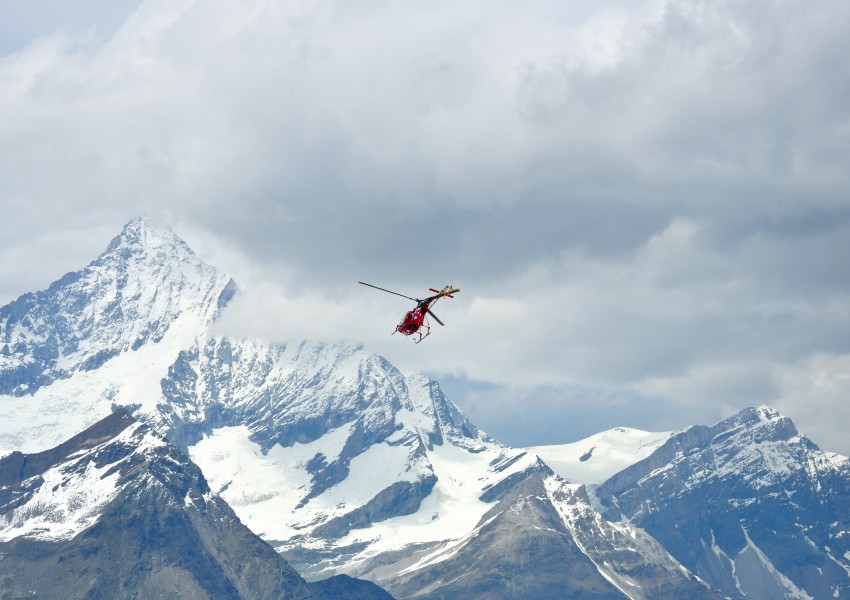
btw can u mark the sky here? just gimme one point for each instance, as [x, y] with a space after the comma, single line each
[645, 203]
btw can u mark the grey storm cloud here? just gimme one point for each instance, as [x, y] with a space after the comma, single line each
[646, 200]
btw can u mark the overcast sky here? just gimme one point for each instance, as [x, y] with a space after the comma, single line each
[645, 203]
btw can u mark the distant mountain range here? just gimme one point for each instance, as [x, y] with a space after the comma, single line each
[749, 505]
[348, 467]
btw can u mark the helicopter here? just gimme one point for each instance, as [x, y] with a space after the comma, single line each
[414, 321]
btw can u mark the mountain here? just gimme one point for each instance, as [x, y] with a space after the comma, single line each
[348, 467]
[352, 452]
[103, 336]
[749, 505]
[116, 512]
[343, 587]
[143, 285]
[544, 540]
[598, 457]
[330, 435]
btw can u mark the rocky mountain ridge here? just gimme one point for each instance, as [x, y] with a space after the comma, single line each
[118, 512]
[545, 540]
[311, 418]
[145, 280]
[749, 505]
[347, 466]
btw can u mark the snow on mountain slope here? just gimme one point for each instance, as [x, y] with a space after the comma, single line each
[345, 464]
[598, 457]
[264, 487]
[102, 336]
[326, 449]
[353, 454]
[68, 499]
[54, 412]
[131, 294]
[749, 504]
[544, 540]
[116, 512]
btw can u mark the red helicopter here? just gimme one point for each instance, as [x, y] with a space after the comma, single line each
[414, 320]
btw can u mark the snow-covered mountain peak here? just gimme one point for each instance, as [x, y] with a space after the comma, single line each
[763, 422]
[758, 441]
[323, 448]
[143, 234]
[338, 440]
[767, 413]
[298, 392]
[147, 285]
[145, 255]
[766, 497]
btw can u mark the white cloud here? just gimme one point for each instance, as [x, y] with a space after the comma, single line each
[646, 199]
[814, 393]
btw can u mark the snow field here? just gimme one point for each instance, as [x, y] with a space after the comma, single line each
[604, 454]
[67, 406]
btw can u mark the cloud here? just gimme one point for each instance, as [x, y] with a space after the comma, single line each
[20, 22]
[643, 200]
[814, 394]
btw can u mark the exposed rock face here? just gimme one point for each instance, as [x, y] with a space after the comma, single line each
[544, 540]
[345, 465]
[339, 441]
[749, 505]
[130, 296]
[116, 512]
[312, 444]
[343, 587]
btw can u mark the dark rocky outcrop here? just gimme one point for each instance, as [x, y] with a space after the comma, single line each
[749, 505]
[161, 533]
[343, 587]
[524, 548]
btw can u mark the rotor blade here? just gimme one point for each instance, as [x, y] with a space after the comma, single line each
[389, 291]
[446, 291]
[436, 318]
[447, 294]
